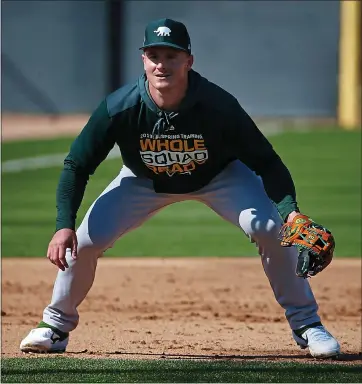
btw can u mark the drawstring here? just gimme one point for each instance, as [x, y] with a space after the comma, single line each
[163, 124]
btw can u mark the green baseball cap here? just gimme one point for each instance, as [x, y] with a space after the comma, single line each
[168, 33]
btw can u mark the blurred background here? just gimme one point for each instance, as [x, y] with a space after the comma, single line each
[295, 66]
[279, 58]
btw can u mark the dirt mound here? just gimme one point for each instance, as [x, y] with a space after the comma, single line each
[192, 308]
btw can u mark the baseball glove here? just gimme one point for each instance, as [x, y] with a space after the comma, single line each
[314, 242]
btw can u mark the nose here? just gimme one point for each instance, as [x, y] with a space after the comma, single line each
[160, 65]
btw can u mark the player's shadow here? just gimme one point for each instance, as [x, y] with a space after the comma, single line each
[269, 357]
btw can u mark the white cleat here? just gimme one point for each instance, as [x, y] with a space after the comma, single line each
[320, 342]
[44, 340]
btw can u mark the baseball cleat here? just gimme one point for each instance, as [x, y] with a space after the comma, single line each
[44, 340]
[320, 342]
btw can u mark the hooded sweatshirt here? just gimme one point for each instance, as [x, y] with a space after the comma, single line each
[180, 151]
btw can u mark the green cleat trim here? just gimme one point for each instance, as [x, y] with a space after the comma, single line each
[62, 335]
[300, 331]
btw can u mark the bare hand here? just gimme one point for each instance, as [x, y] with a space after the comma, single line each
[62, 239]
[292, 215]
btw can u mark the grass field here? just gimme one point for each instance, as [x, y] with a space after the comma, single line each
[68, 370]
[326, 167]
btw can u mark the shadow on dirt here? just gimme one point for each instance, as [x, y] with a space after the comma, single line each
[273, 357]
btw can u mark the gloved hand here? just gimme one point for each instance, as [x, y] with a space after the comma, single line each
[314, 242]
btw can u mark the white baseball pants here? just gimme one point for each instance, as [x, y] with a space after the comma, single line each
[236, 194]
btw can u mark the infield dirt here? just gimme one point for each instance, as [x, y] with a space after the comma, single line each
[181, 307]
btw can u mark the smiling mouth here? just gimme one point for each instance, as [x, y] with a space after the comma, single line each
[164, 76]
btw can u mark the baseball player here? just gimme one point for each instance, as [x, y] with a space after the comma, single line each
[181, 137]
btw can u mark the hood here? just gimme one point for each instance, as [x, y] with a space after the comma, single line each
[164, 122]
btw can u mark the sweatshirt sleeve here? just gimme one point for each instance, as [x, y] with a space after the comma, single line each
[87, 151]
[251, 147]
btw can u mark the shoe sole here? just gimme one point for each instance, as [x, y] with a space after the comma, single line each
[321, 355]
[325, 355]
[39, 349]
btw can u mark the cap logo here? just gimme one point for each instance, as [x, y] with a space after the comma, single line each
[162, 31]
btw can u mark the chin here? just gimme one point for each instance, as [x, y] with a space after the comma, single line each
[164, 84]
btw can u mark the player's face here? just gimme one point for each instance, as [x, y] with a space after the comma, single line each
[166, 67]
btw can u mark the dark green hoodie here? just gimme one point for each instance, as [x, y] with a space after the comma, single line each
[179, 151]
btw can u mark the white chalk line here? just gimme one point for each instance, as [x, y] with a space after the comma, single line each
[46, 161]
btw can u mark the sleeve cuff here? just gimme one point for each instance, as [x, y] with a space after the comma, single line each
[287, 205]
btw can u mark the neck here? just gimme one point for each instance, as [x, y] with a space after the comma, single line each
[169, 99]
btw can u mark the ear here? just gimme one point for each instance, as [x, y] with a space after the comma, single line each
[144, 60]
[190, 62]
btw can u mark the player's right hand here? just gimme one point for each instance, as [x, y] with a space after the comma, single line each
[62, 239]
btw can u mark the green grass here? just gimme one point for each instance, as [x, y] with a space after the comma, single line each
[326, 168]
[58, 370]
[175, 231]
[20, 149]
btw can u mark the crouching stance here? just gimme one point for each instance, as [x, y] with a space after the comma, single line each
[181, 138]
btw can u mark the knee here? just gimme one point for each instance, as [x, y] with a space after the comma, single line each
[91, 240]
[260, 226]
[88, 246]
